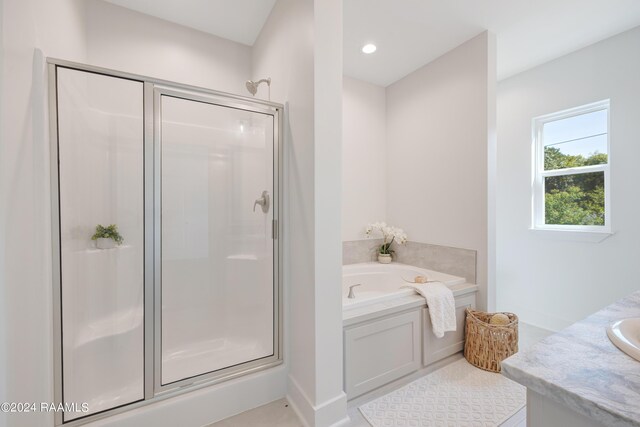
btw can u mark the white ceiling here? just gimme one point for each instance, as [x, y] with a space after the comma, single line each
[237, 20]
[411, 33]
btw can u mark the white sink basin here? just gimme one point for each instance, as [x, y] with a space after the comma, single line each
[625, 334]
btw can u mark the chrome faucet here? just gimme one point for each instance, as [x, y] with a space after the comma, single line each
[351, 294]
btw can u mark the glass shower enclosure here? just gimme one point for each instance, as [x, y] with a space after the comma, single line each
[165, 202]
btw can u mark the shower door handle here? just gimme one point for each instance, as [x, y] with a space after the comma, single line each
[263, 201]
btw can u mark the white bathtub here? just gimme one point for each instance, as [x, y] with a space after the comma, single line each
[382, 282]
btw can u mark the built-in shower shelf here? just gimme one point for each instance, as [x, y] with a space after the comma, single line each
[96, 250]
[110, 327]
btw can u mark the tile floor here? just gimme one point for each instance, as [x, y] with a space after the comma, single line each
[280, 413]
[275, 414]
[529, 335]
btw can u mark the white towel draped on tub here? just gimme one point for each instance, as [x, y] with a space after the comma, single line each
[442, 307]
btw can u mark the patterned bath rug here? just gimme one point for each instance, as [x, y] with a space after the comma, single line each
[458, 395]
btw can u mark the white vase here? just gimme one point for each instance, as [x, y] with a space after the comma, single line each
[105, 243]
[384, 258]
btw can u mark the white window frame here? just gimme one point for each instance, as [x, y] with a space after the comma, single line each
[539, 174]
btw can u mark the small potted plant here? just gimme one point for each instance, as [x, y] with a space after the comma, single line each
[389, 235]
[107, 237]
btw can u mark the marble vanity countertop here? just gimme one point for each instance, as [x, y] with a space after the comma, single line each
[580, 368]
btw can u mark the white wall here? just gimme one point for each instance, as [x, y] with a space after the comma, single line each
[364, 157]
[31, 30]
[106, 35]
[330, 404]
[3, 319]
[284, 51]
[125, 40]
[438, 132]
[550, 282]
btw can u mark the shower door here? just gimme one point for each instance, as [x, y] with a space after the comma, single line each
[215, 282]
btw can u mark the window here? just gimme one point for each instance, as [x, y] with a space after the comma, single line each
[571, 165]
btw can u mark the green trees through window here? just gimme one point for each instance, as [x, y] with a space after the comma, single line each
[576, 199]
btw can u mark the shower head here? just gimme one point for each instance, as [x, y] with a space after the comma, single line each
[252, 86]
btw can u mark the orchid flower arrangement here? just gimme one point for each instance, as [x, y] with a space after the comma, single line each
[389, 234]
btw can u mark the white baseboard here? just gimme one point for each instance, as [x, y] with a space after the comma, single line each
[330, 413]
[299, 402]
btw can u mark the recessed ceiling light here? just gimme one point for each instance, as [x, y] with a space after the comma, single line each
[369, 48]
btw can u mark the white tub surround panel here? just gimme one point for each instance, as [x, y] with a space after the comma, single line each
[434, 348]
[379, 352]
[390, 339]
[578, 373]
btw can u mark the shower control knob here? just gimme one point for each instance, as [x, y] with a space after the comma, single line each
[263, 201]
